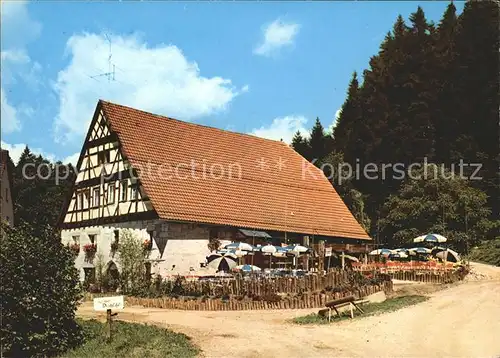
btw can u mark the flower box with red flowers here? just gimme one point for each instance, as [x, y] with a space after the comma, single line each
[75, 249]
[90, 249]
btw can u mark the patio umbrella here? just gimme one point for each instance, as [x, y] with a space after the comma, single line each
[247, 268]
[222, 261]
[385, 252]
[437, 249]
[243, 246]
[430, 238]
[399, 255]
[296, 249]
[269, 250]
[351, 258]
[448, 255]
[420, 250]
[280, 252]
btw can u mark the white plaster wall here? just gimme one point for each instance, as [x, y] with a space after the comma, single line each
[186, 247]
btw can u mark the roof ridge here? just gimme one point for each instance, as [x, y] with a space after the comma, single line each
[193, 124]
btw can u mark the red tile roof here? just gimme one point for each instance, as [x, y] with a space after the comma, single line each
[249, 191]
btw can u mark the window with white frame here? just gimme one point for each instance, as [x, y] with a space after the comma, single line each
[111, 193]
[123, 190]
[134, 193]
[96, 195]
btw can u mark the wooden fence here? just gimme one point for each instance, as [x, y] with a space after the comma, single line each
[427, 277]
[306, 300]
[251, 293]
[261, 286]
[391, 266]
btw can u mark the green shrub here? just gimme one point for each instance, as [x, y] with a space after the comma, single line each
[39, 294]
[487, 252]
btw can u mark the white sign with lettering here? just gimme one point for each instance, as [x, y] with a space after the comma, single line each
[328, 251]
[108, 303]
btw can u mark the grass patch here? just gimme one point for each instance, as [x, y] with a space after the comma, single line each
[131, 340]
[370, 309]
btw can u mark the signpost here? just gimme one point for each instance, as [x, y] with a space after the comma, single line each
[328, 253]
[106, 304]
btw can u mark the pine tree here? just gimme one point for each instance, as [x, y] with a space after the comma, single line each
[476, 90]
[39, 192]
[318, 142]
[300, 145]
[350, 113]
[446, 125]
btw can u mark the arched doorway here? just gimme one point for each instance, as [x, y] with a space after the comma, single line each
[111, 277]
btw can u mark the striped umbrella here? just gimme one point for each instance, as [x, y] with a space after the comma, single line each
[280, 252]
[222, 261]
[420, 250]
[430, 238]
[247, 268]
[448, 255]
[399, 255]
[242, 246]
[384, 252]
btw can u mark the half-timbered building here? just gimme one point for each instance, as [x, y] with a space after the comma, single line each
[180, 184]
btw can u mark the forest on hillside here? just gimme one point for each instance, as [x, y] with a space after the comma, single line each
[431, 95]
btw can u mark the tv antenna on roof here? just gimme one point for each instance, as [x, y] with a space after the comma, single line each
[111, 66]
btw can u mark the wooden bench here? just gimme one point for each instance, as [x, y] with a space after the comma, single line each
[341, 302]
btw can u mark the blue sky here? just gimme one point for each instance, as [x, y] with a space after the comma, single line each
[254, 67]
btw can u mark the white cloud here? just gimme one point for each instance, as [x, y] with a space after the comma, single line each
[73, 158]
[277, 34]
[335, 119]
[157, 79]
[15, 151]
[9, 115]
[283, 128]
[18, 29]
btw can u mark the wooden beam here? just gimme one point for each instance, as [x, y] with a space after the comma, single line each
[124, 174]
[103, 140]
[145, 215]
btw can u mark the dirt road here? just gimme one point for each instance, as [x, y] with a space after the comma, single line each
[463, 321]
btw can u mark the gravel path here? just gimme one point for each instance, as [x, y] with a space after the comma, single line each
[463, 321]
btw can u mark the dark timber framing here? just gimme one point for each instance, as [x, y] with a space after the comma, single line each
[145, 215]
[100, 138]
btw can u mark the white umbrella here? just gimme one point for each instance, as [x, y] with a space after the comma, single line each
[296, 249]
[385, 252]
[430, 238]
[247, 268]
[280, 252]
[243, 246]
[268, 249]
